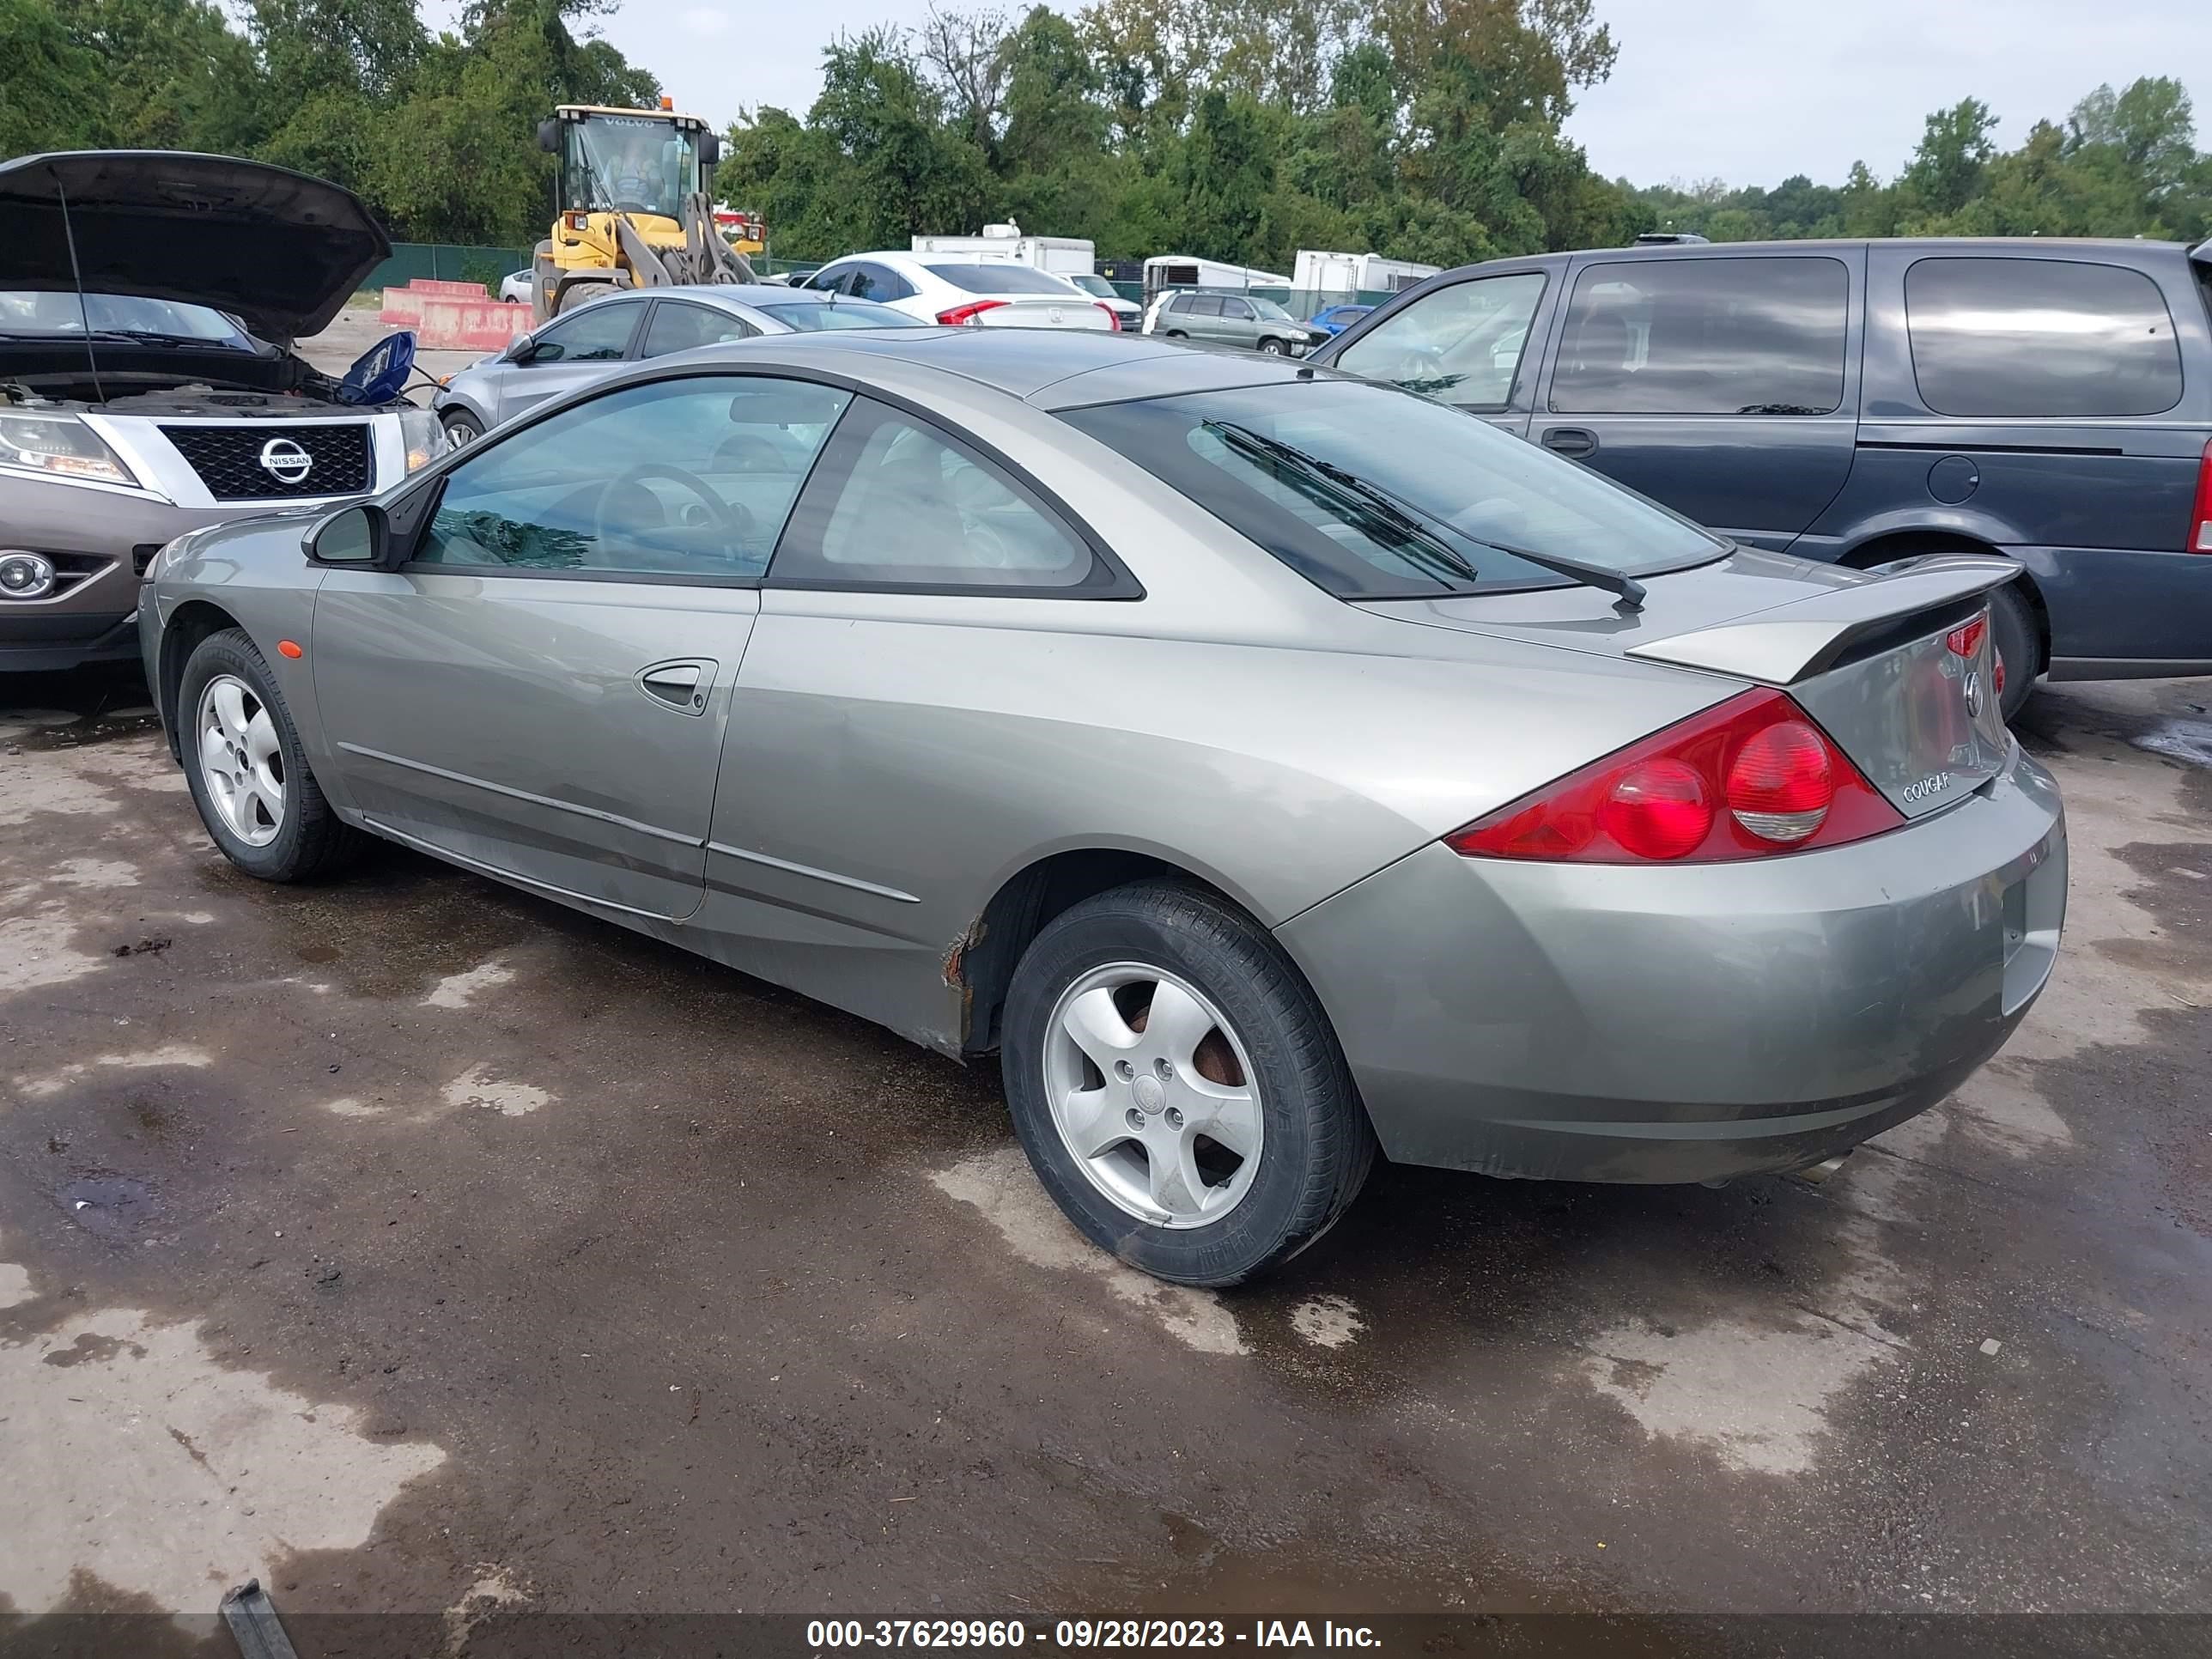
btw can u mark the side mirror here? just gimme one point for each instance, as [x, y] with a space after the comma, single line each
[518, 349]
[549, 136]
[710, 148]
[357, 537]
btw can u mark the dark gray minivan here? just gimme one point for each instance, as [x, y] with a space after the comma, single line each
[1866, 402]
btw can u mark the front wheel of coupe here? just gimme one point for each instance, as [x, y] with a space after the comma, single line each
[247, 769]
[1178, 1088]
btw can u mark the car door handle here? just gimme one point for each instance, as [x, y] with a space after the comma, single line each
[1572, 441]
[678, 683]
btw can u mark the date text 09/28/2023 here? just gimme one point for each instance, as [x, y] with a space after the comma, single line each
[825, 1636]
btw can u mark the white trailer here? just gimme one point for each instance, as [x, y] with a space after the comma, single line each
[1166, 270]
[1317, 272]
[1063, 256]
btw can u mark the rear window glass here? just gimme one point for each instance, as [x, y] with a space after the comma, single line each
[1372, 493]
[1704, 336]
[846, 313]
[1001, 279]
[2051, 337]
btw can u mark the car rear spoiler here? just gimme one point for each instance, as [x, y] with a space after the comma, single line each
[1796, 640]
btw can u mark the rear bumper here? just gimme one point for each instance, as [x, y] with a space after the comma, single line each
[1651, 1025]
[2117, 613]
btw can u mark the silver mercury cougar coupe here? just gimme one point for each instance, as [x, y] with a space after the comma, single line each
[1267, 766]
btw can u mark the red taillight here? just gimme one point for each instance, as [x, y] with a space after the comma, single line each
[1966, 639]
[966, 315]
[1749, 778]
[1657, 809]
[1113, 316]
[1780, 785]
[2200, 520]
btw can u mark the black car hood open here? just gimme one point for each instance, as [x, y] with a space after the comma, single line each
[277, 249]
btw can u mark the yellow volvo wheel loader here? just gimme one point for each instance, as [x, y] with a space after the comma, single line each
[635, 207]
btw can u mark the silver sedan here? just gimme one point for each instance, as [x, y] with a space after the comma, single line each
[589, 342]
[1267, 768]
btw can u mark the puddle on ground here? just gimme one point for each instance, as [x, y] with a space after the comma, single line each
[107, 1204]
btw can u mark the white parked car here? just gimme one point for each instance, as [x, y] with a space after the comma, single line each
[515, 288]
[979, 293]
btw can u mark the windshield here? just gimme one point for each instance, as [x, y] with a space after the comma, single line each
[57, 314]
[1097, 285]
[627, 164]
[1475, 486]
[846, 313]
[1001, 278]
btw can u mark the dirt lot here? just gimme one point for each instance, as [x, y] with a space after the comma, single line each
[417, 1244]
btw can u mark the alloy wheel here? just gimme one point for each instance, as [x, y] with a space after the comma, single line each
[241, 760]
[1153, 1095]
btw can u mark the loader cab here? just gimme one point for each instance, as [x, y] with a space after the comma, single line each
[628, 161]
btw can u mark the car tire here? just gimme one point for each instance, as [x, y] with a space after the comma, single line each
[1177, 334]
[2017, 645]
[461, 428]
[228, 696]
[1274, 348]
[1266, 1063]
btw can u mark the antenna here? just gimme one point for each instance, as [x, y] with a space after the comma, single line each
[76, 275]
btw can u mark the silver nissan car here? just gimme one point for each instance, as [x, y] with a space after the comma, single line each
[1269, 767]
[148, 383]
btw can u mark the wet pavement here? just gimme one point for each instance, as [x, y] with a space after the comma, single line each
[417, 1244]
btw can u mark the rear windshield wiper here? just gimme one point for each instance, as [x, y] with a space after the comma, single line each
[1422, 526]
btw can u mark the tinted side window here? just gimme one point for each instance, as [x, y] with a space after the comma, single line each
[595, 334]
[2054, 338]
[1704, 336]
[688, 477]
[897, 503]
[877, 282]
[1205, 305]
[1240, 309]
[1462, 344]
[678, 325]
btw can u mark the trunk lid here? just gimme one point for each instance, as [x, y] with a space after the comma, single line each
[1891, 665]
[277, 249]
[1032, 311]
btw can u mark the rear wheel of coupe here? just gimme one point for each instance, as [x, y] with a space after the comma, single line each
[1178, 1087]
[247, 772]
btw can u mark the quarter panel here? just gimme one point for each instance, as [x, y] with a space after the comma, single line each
[892, 760]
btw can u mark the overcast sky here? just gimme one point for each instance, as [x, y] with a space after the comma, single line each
[1750, 91]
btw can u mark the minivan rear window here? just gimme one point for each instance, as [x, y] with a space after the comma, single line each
[1704, 336]
[2056, 338]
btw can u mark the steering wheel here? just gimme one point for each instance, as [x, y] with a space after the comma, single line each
[731, 516]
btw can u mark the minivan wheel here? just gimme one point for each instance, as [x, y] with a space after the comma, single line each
[247, 769]
[461, 428]
[2012, 621]
[1274, 347]
[1178, 1087]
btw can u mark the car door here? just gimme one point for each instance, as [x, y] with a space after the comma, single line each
[1240, 323]
[1725, 387]
[569, 352]
[913, 551]
[541, 689]
[1199, 315]
[1464, 342]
